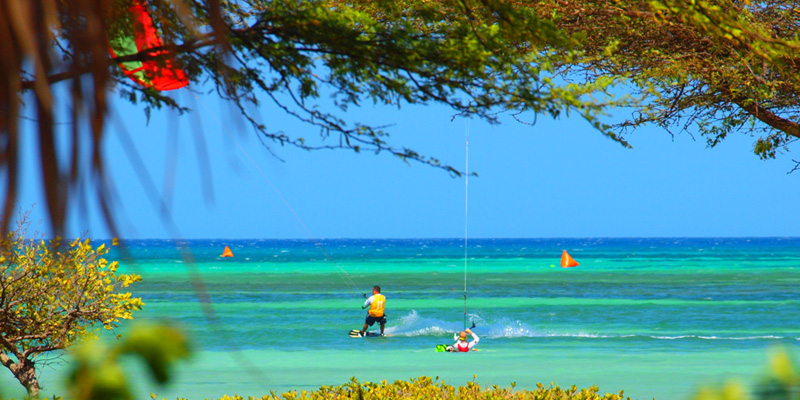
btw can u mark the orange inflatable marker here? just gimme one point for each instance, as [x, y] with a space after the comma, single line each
[228, 253]
[567, 261]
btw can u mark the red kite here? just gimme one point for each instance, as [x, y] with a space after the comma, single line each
[567, 261]
[161, 74]
[227, 252]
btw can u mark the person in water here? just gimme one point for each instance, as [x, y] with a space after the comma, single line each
[462, 345]
[376, 304]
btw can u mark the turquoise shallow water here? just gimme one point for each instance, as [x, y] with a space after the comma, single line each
[655, 317]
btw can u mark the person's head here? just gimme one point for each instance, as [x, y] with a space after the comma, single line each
[462, 336]
[376, 289]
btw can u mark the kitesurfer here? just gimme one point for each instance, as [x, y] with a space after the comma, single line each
[462, 345]
[376, 304]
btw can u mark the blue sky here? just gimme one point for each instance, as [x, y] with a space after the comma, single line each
[559, 178]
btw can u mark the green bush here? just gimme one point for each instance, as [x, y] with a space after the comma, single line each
[431, 388]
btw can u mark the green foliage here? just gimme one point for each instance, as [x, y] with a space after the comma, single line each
[309, 60]
[52, 294]
[98, 375]
[429, 388]
[477, 57]
[707, 67]
[728, 391]
[781, 382]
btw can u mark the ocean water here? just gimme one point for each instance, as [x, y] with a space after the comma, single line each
[657, 318]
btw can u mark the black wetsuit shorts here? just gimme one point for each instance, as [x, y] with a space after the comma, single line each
[372, 320]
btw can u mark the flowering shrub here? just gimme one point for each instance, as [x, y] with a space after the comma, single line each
[432, 388]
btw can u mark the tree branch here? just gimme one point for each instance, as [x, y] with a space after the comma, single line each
[32, 351]
[768, 117]
[10, 347]
[7, 362]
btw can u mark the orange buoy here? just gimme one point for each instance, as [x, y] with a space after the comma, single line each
[227, 252]
[567, 261]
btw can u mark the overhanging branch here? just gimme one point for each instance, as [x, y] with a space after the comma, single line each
[768, 117]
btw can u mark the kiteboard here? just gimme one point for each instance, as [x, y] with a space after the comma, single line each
[355, 333]
[444, 347]
[449, 348]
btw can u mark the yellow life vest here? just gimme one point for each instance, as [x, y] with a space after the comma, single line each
[376, 308]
